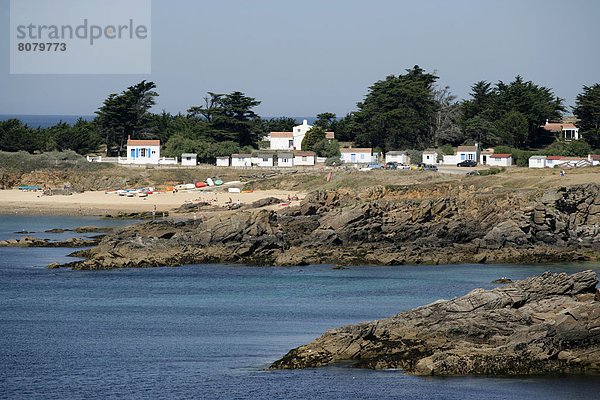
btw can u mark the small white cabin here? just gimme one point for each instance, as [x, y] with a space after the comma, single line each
[223, 161]
[189, 159]
[537, 162]
[143, 151]
[396, 156]
[356, 156]
[241, 160]
[305, 158]
[285, 160]
[500, 160]
[430, 157]
[263, 160]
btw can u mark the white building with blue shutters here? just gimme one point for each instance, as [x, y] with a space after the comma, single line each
[143, 151]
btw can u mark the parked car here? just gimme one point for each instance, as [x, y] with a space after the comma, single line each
[375, 166]
[467, 163]
[402, 166]
[427, 167]
[391, 165]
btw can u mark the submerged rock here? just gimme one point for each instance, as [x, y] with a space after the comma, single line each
[543, 324]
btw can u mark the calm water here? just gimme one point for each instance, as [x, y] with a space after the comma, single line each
[45, 121]
[208, 331]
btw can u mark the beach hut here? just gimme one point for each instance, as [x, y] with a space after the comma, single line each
[223, 161]
[537, 162]
[189, 159]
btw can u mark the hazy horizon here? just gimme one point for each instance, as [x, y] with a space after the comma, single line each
[304, 58]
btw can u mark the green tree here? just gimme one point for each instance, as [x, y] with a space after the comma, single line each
[313, 135]
[230, 117]
[126, 115]
[398, 112]
[282, 124]
[327, 148]
[512, 129]
[326, 121]
[494, 107]
[15, 136]
[587, 109]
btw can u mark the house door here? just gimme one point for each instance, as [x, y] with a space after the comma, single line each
[353, 158]
[484, 160]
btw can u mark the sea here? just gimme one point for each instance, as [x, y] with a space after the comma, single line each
[209, 331]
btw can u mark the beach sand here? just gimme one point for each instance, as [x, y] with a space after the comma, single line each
[101, 203]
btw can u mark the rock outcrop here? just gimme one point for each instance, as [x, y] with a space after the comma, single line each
[381, 226]
[544, 324]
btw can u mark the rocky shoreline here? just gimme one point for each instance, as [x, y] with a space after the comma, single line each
[544, 324]
[393, 225]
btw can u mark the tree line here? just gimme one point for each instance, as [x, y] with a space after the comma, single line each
[407, 111]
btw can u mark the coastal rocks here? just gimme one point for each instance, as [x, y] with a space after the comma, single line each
[381, 227]
[30, 241]
[547, 323]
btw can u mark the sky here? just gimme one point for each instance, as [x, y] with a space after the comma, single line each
[301, 58]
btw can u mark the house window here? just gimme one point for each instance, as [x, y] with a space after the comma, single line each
[470, 156]
[304, 158]
[298, 130]
[362, 156]
[132, 153]
[291, 143]
[142, 152]
[265, 159]
[153, 152]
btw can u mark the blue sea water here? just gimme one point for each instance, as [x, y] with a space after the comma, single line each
[208, 331]
[45, 121]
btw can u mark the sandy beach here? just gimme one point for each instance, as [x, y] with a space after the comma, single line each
[100, 203]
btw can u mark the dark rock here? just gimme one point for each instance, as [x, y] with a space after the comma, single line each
[544, 324]
[502, 280]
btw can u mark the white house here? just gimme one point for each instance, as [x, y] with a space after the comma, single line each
[573, 162]
[356, 156]
[189, 159]
[241, 160]
[263, 160]
[143, 151]
[467, 153]
[553, 161]
[484, 156]
[537, 162]
[292, 140]
[500, 160]
[223, 161]
[285, 159]
[430, 157]
[306, 158]
[396, 156]
[594, 159]
[567, 131]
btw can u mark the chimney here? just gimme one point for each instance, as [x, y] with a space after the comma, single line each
[305, 122]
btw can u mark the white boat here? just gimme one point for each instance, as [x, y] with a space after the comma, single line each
[234, 190]
[210, 182]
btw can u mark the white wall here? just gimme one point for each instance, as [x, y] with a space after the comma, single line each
[264, 161]
[430, 159]
[399, 158]
[450, 160]
[241, 161]
[304, 160]
[500, 162]
[537, 163]
[359, 158]
[281, 143]
[188, 160]
[222, 161]
[287, 161]
[152, 154]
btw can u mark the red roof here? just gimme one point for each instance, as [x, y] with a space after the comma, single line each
[429, 152]
[131, 142]
[557, 126]
[500, 155]
[467, 148]
[594, 157]
[554, 157]
[357, 150]
[304, 154]
[329, 135]
[282, 134]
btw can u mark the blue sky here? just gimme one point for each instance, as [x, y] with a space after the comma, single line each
[304, 57]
